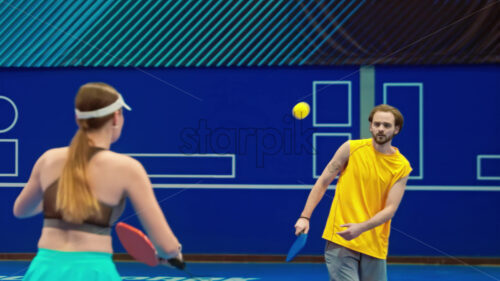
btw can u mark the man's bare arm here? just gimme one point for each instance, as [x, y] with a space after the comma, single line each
[334, 167]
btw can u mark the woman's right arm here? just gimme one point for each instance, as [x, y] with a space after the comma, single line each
[29, 201]
[140, 193]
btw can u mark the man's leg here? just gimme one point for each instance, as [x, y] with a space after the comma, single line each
[372, 269]
[342, 263]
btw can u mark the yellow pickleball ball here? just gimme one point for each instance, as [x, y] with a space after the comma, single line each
[301, 110]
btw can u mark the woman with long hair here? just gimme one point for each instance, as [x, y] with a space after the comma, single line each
[81, 191]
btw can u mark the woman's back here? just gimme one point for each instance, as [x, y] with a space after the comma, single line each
[106, 173]
[81, 191]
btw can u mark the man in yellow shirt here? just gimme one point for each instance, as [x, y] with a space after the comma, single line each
[372, 181]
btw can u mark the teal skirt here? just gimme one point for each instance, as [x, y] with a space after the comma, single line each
[75, 266]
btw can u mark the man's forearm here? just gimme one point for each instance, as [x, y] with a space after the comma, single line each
[317, 192]
[379, 218]
[391, 206]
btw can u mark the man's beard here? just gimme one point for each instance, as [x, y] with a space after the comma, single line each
[382, 139]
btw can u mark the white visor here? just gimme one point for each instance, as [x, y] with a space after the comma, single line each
[119, 103]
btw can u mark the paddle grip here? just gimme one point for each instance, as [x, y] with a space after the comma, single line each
[177, 263]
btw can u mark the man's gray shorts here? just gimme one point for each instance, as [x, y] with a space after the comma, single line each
[347, 265]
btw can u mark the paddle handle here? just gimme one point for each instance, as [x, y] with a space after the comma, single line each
[175, 262]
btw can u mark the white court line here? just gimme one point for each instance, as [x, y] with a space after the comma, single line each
[16, 158]
[478, 166]
[16, 114]
[420, 86]
[315, 135]
[349, 104]
[295, 186]
[180, 155]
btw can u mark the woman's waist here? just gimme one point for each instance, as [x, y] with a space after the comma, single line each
[74, 240]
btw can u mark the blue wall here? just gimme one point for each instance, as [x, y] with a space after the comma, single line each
[242, 117]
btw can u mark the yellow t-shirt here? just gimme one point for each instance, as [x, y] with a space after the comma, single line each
[361, 192]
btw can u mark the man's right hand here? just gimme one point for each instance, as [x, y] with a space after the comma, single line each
[302, 226]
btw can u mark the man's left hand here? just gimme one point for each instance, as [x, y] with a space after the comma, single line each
[353, 230]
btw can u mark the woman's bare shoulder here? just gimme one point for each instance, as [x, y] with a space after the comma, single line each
[54, 155]
[118, 159]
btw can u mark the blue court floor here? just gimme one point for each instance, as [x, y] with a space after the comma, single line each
[14, 270]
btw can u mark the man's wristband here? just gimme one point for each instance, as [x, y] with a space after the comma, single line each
[302, 217]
